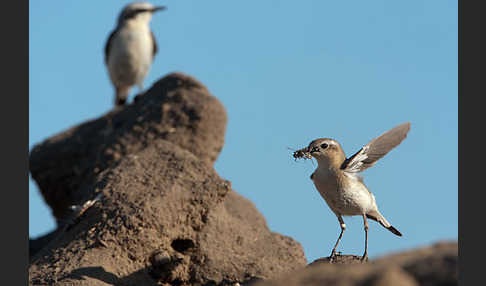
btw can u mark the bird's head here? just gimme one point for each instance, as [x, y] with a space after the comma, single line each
[325, 150]
[138, 11]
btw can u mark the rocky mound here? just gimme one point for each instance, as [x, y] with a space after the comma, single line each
[165, 215]
[434, 265]
[176, 109]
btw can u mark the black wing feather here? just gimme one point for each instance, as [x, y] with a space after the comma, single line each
[108, 45]
[154, 45]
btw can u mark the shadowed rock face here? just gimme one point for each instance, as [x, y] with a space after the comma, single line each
[177, 109]
[165, 216]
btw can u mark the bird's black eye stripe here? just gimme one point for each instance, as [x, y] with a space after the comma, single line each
[324, 146]
[133, 13]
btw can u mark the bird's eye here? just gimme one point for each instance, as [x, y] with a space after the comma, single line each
[324, 146]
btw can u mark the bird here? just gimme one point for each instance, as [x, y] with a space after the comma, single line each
[338, 181]
[131, 48]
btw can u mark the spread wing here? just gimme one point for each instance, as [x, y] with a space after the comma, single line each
[108, 45]
[154, 45]
[376, 149]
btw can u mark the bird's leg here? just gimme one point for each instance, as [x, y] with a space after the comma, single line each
[140, 92]
[121, 95]
[365, 255]
[343, 228]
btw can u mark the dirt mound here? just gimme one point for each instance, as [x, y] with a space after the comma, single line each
[433, 265]
[177, 108]
[165, 215]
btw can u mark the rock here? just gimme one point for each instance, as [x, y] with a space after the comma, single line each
[165, 216]
[433, 265]
[338, 259]
[177, 108]
[393, 275]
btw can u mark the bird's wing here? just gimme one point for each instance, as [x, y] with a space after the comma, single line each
[376, 149]
[108, 45]
[155, 47]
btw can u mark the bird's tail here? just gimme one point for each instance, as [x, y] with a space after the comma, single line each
[376, 216]
[121, 96]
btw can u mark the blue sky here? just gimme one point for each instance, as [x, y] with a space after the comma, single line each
[287, 73]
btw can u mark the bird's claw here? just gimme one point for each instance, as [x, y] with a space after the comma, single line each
[334, 255]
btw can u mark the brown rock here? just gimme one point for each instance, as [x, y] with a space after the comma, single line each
[434, 265]
[393, 275]
[177, 109]
[165, 217]
[338, 259]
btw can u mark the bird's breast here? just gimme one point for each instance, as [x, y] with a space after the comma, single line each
[344, 196]
[326, 184]
[130, 56]
[133, 43]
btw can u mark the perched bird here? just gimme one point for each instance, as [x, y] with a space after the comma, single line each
[337, 180]
[131, 48]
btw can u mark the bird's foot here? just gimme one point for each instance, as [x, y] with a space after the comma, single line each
[334, 255]
[120, 102]
[364, 258]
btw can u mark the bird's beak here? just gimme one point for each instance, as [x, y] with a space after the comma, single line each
[312, 150]
[158, 8]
